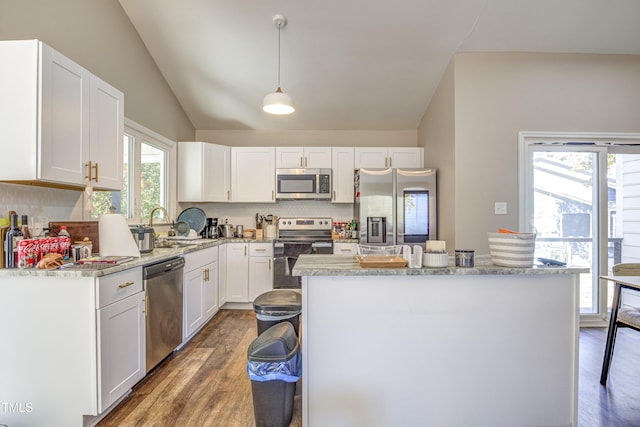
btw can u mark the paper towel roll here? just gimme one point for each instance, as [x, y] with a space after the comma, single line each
[115, 236]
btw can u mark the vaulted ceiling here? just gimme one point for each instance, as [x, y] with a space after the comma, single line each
[353, 64]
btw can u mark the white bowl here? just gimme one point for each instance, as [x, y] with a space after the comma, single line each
[435, 260]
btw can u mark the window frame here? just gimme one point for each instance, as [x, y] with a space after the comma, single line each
[142, 134]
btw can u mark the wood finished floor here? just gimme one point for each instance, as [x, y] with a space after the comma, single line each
[206, 384]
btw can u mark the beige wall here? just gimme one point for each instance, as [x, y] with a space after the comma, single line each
[98, 35]
[436, 134]
[317, 138]
[498, 95]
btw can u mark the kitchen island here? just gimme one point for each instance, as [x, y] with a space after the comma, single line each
[483, 346]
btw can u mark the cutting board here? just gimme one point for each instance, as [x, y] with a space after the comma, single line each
[78, 230]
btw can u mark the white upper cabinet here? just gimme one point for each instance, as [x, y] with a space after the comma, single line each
[204, 173]
[303, 157]
[107, 128]
[253, 177]
[342, 174]
[62, 122]
[397, 157]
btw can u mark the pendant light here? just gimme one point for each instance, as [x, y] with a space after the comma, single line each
[278, 102]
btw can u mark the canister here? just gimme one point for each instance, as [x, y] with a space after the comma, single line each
[464, 257]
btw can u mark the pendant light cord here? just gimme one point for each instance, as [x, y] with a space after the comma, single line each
[279, 27]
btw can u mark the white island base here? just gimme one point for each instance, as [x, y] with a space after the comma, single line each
[440, 350]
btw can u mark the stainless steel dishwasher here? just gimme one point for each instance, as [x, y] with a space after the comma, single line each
[164, 288]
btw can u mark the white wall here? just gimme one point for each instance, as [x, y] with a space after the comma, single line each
[99, 36]
[499, 94]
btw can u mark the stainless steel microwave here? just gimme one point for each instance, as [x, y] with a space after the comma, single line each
[303, 184]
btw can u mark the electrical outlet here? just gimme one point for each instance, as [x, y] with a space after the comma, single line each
[501, 208]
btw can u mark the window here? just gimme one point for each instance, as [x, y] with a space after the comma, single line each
[580, 193]
[148, 174]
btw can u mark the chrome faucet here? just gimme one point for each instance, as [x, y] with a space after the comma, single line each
[164, 211]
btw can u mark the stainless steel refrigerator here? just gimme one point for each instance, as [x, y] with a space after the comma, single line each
[396, 206]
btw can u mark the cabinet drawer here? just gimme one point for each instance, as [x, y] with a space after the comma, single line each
[260, 249]
[345, 248]
[197, 259]
[117, 286]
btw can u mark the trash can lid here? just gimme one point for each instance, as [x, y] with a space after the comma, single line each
[279, 343]
[278, 301]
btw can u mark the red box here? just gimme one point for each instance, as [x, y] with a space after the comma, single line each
[28, 253]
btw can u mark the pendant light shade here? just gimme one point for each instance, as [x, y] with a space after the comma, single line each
[278, 102]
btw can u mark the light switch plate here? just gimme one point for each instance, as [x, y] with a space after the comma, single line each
[501, 208]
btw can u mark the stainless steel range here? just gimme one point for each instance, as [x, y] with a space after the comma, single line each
[298, 236]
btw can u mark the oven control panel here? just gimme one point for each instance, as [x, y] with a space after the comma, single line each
[305, 223]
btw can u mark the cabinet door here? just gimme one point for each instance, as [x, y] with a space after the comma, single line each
[64, 120]
[107, 134]
[217, 174]
[260, 276]
[237, 272]
[222, 275]
[289, 157]
[193, 305]
[406, 157]
[210, 290]
[317, 157]
[370, 158]
[253, 174]
[342, 175]
[121, 351]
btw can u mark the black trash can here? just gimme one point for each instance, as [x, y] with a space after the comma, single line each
[278, 306]
[274, 367]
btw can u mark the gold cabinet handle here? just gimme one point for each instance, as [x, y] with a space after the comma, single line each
[273, 195]
[260, 250]
[301, 162]
[228, 194]
[334, 194]
[89, 176]
[124, 285]
[269, 263]
[205, 274]
[245, 250]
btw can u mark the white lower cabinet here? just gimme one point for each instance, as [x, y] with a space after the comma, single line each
[121, 335]
[222, 275]
[200, 289]
[249, 271]
[260, 269]
[237, 280]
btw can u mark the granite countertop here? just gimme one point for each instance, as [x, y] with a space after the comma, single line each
[157, 255]
[347, 265]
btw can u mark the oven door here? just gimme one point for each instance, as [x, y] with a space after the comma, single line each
[285, 256]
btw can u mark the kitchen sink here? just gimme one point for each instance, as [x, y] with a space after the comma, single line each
[171, 245]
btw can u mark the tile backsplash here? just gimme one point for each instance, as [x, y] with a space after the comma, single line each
[40, 203]
[44, 204]
[245, 213]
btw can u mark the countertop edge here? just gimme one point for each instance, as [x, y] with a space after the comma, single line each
[347, 265]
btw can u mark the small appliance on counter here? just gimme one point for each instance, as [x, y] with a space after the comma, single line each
[226, 230]
[144, 237]
[211, 230]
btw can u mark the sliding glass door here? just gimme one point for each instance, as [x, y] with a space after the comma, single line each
[581, 194]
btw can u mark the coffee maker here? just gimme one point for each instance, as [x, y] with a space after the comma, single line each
[210, 230]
